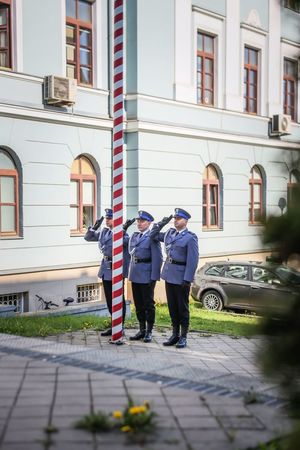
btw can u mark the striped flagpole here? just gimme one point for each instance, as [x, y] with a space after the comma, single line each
[118, 140]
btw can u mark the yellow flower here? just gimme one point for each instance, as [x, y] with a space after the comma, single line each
[137, 409]
[126, 429]
[117, 414]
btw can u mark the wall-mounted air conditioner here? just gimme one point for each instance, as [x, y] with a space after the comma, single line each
[59, 91]
[281, 124]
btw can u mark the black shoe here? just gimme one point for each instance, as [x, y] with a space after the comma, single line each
[171, 341]
[138, 336]
[107, 332]
[181, 342]
[148, 337]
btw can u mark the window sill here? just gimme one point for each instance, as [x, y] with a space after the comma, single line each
[256, 224]
[10, 238]
[205, 230]
[77, 234]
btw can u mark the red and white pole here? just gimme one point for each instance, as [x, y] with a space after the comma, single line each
[118, 141]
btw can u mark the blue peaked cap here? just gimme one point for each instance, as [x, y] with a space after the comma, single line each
[182, 213]
[108, 213]
[144, 215]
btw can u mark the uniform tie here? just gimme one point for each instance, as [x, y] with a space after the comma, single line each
[177, 233]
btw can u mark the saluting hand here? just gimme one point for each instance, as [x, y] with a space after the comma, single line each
[164, 221]
[98, 223]
[127, 224]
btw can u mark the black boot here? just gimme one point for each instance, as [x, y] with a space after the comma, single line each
[173, 339]
[140, 334]
[148, 335]
[107, 332]
[182, 343]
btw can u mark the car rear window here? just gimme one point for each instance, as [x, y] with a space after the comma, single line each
[237, 272]
[215, 271]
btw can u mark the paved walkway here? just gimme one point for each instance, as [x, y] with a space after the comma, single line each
[198, 392]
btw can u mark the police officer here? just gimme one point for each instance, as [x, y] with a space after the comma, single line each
[105, 243]
[144, 271]
[182, 251]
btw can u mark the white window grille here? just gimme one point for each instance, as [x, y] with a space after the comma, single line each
[88, 292]
[16, 299]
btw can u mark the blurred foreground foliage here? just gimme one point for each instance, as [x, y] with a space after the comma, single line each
[280, 356]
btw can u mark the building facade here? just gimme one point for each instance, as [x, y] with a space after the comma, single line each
[203, 81]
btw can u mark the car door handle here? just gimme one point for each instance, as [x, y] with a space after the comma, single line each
[224, 282]
[255, 287]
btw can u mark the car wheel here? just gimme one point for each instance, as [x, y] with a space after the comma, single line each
[212, 301]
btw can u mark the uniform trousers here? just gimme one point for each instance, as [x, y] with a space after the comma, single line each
[143, 297]
[107, 285]
[178, 304]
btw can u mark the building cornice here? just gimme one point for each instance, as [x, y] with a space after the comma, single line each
[207, 13]
[288, 42]
[248, 27]
[134, 126]
[40, 115]
[214, 110]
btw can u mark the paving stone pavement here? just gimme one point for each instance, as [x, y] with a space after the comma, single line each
[198, 392]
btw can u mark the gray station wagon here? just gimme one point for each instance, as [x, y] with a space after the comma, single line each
[244, 285]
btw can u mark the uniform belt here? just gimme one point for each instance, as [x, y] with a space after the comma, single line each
[141, 260]
[107, 258]
[173, 261]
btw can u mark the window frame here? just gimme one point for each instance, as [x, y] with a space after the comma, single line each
[252, 182]
[286, 80]
[255, 68]
[210, 56]
[80, 25]
[206, 185]
[291, 186]
[80, 179]
[8, 30]
[11, 173]
[290, 7]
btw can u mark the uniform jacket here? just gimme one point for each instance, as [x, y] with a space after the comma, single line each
[183, 248]
[104, 238]
[144, 248]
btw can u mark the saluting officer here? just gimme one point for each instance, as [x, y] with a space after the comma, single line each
[144, 271]
[182, 251]
[104, 237]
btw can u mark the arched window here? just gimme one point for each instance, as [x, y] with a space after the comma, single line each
[294, 182]
[211, 198]
[9, 198]
[256, 204]
[83, 195]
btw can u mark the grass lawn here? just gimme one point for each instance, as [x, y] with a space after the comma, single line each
[201, 320]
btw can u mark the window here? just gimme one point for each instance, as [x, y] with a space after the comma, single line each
[88, 292]
[211, 199]
[292, 4]
[293, 186]
[83, 195]
[9, 202]
[237, 272]
[290, 88]
[256, 209]
[261, 275]
[79, 41]
[215, 271]
[205, 69]
[19, 300]
[250, 80]
[5, 34]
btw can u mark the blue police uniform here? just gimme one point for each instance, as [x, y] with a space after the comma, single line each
[144, 271]
[105, 243]
[178, 272]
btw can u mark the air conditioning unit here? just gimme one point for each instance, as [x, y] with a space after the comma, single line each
[281, 124]
[59, 91]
